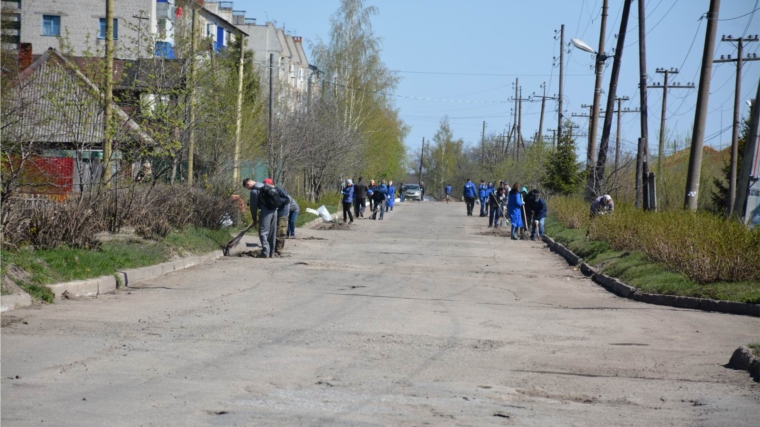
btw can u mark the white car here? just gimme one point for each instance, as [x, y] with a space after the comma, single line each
[413, 192]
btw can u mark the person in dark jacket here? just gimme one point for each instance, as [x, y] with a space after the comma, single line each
[372, 187]
[537, 207]
[283, 213]
[447, 192]
[378, 197]
[514, 209]
[469, 192]
[360, 198]
[401, 190]
[495, 199]
[348, 200]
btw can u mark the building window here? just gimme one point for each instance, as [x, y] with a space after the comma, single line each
[102, 30]
[51, 25]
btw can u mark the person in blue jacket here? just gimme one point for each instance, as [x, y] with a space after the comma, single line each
[469, 193]
[537, 206]
[348, 200]
[447, 190]
[514, 209]
[391, 196]
[483, 195]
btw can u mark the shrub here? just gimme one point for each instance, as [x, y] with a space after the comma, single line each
[154, 211]
[571, 212]
[703, 246]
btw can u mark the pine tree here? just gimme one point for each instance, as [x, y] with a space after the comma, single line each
[563, 175]
[720, 194]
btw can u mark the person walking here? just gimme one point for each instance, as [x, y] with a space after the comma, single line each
[360, 198]
[468, 192]
[378, 196]
[401, 195]
[391, 197]
[372, 187]
[422, 191]
[514, 209]
[483, 196]
[293, 209]
[537, 207]
[348, 199]
[264, 214]
[447, 192]
[495, 199]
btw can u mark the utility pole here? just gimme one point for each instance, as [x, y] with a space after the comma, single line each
[483, 145]
[665, 86]
[554, 138]
[108, 125]
[271, 115]
[618, 141]
[422, 156]
[191, 106]
[592, 120]
[737, 119]
[561, 80]
[514, 126]
[543, 108]
[642, 152]
[700, 115]
[596, 177]
[747, 203]
[599, 68]
[518, 137]
[239, 115]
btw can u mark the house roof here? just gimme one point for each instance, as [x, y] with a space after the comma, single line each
[56, 103]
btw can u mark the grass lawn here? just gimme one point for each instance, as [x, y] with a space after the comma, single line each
[41, 267]
[635, 269]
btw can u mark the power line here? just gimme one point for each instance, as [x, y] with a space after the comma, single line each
[740, 16]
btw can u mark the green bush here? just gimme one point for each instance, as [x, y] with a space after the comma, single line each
[705, 247]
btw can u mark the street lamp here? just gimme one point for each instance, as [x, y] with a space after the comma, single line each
[580, 44]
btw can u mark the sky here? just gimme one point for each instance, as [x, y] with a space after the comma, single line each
[460, 59]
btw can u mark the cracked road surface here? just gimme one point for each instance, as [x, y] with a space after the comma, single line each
[415, 320]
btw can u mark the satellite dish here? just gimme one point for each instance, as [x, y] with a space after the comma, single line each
[582, 46]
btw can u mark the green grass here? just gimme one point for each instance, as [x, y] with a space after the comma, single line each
[64, 264]
[636, 269]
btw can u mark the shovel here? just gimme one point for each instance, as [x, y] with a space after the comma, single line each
[234, 242]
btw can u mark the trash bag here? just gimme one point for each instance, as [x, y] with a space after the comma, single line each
[322, 213]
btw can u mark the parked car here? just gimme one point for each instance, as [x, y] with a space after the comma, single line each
[413, 192]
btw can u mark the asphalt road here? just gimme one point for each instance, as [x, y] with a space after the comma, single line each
[415, 320]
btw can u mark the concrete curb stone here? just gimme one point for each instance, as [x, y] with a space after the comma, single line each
[621, 289]
[12, 302]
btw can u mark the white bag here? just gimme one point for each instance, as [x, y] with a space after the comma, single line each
[322, 213]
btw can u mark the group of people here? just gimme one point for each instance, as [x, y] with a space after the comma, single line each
[274, 212]
[513, 203]
[381, 199]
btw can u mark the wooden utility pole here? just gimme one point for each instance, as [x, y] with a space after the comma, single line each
[737, 119]
[271, 115]
[618, 140]
[483, 145]
[239, 115]
[561, 80]
[554, 138]
[599, 68]
[519, 137]
[642, 152]
[515, 134]
[108, 125]
[422, 157]
[691, 196]
[596, 178]
[665, 86]
[543, 108]
[191, 106]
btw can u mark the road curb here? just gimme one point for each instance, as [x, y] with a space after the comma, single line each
[12, 302]
[626, 291]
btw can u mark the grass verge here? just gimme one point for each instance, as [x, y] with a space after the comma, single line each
[638, 270]
[32, 269]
